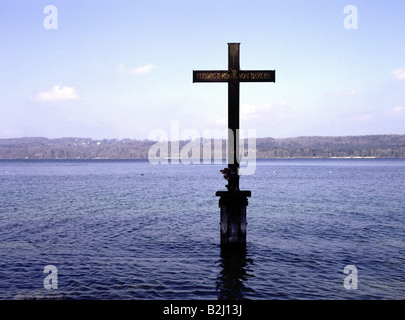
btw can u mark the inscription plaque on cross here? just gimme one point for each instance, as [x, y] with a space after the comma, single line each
[233, 76]
[233, 202]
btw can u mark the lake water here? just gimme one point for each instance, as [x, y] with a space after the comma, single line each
[132, 230]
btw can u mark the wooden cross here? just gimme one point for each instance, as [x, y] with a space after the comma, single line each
[234, 76]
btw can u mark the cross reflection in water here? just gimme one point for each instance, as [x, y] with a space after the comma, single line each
[235, 273]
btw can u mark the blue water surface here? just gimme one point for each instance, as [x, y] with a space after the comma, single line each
[133, 230]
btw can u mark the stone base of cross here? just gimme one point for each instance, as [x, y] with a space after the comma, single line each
[233, 216]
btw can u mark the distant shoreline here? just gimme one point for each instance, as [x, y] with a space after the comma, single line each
[345, 147]
[224, 161]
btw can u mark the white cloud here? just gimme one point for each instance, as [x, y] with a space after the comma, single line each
[57, 93]
[254, 115]
[360, 118]
[254, 112]
[139, 70]
[399, 74]
[397, 111]
[221, 122]
[249, 112]
[366, 117]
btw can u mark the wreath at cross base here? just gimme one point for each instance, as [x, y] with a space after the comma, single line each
[231, 177]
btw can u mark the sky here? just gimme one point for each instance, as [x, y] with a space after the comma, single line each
[123, 68]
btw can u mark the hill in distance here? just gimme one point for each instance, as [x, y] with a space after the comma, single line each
[368, 146]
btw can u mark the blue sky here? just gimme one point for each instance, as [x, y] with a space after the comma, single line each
[120, 69]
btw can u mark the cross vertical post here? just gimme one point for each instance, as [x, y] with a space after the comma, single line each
[233, 112]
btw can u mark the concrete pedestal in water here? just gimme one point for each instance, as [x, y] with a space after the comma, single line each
[233, 216]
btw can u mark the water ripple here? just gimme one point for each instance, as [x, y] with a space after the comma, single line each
[116, 234]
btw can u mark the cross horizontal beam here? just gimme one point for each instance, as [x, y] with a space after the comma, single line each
[234, 76]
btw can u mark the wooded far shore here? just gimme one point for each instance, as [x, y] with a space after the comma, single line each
[368, 146]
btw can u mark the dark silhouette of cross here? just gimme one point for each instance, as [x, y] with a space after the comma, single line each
[233, 76]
